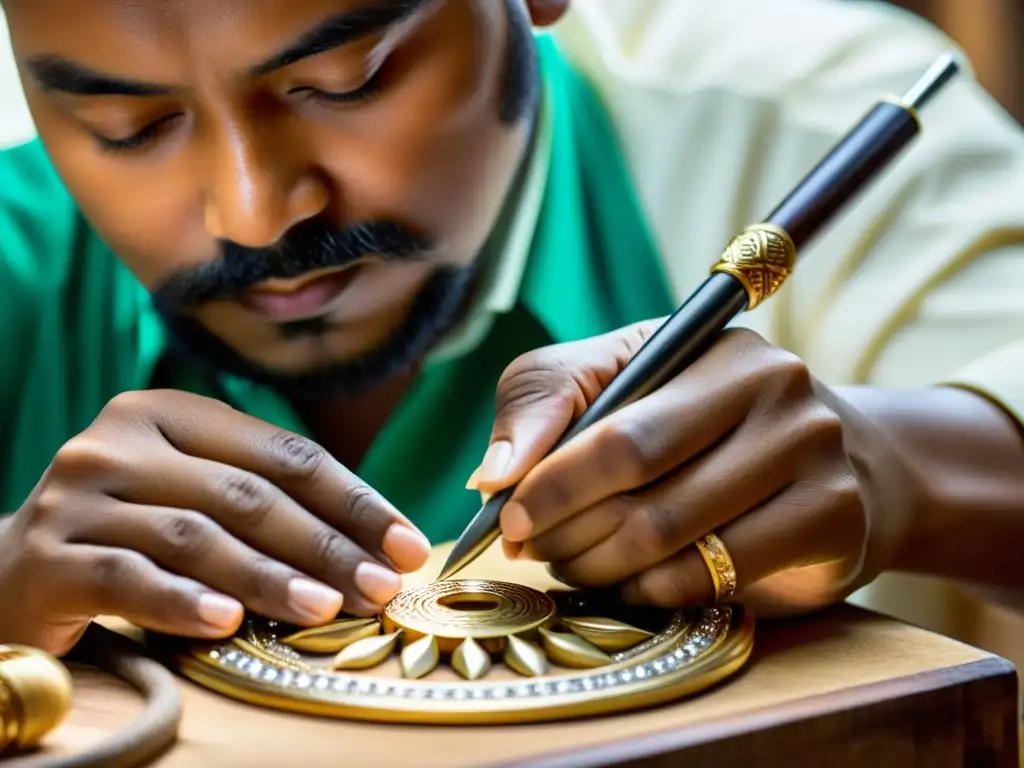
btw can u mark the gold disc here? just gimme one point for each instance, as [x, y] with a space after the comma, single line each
[453, 611]
[468, 652]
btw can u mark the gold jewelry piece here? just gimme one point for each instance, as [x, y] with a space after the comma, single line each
[761, 257]
[477, 651]
[720, 566]
[35, 696]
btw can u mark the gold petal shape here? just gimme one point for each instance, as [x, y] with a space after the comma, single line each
[470, 660]
[572, 651]
[525, 658]
[607, 634]
[366, 653]
[332, 638]
[420, 657]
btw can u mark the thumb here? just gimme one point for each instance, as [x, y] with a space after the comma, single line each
[534, 408]
[541, 394]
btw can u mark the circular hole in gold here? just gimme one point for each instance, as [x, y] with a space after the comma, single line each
[470, 602]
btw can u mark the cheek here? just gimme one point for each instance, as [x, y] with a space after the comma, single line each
[434, 151]
[140, 212]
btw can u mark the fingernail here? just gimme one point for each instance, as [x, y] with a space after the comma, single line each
[511, 549]
[406, 548]
[495, 463]
[220, 612]
[377, 584]
[515, 522]
[473, 484]
[318, 602]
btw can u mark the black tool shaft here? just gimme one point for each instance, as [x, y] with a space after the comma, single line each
[866, 150]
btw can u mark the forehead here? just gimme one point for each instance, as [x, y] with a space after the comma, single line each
[161, 33]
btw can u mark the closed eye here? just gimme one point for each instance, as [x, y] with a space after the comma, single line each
[367, 91]
[138, 139]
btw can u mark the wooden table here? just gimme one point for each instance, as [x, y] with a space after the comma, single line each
[847, 688]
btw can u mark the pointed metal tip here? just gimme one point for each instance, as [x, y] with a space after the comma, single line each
[482, 531]
[449, 570]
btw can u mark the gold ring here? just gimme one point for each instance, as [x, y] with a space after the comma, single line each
[720, 566]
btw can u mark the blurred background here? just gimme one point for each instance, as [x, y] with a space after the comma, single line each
[991, 32]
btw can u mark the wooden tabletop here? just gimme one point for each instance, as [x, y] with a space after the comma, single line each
[846, 688]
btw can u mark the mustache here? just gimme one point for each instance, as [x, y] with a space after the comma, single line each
[307, 247]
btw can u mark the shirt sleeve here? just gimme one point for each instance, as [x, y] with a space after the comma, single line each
[723, 109]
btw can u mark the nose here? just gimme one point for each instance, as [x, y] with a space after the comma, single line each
[260, 188]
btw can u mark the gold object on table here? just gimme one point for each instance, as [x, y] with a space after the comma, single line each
[35, 696]
[761, 257]
[719, 562]
[479, 651]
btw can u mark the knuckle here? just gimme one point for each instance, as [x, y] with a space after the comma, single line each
[85, 455]
[663, 526]
[295, 455]
[625, 451]
[849, 505]
[637, 539]
[112, 571]
[527, 382]
[247, 495]
[821, 427]
[361, 508]
[127, 405]
[51, 503]
[261, 581]
[743, 339]
[331, 548]
[187, 537]
[790, 372]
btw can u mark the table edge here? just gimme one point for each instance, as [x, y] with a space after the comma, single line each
[622, 751]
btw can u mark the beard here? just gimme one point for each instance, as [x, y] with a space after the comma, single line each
[315, 245]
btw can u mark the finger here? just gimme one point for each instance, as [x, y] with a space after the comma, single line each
[812, 522]
[629, 533]
[632, 448]
[258, 513]
[210, 430]
[541, 393]
[190, 544]
[117, 582]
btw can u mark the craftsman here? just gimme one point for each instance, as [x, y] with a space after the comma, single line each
[268, 263]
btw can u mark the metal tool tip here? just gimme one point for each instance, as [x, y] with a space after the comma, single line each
[945, 68]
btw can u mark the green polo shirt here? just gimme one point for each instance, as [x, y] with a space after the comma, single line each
[570, 257]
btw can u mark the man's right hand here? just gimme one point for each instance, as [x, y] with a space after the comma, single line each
[174, 511]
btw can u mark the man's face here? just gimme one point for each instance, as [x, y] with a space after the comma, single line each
[303, 185]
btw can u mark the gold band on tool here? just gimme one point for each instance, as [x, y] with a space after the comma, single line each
[761, 257]
[720, 565]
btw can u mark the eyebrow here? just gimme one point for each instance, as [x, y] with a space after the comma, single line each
[55, 73]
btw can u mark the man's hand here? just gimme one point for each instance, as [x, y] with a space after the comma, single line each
[744, 444]
[174, 511]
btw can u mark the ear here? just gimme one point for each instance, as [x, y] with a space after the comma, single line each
[544, 13]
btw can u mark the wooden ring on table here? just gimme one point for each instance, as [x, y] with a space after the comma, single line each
[140, 742]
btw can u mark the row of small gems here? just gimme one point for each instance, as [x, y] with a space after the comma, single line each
[710, 629]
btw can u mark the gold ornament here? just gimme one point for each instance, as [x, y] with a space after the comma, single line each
[35, 696]
[333, 638]
[761, 257]
[719, 564]
[518, 655]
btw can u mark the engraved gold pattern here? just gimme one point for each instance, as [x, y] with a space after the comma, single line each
[761, 257]
[720, 566]
[607, 634]
[556, 673]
